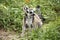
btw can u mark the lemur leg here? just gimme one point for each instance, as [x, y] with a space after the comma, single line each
[23, 31]
[33, 26]
[39, 24]
[24, 26]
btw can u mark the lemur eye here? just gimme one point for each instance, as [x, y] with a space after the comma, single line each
[30, 12]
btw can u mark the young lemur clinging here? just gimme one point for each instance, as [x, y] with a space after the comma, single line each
[31, 19]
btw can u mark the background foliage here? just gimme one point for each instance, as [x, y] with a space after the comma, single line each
[11, 15]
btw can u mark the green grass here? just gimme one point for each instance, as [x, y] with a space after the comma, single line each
[11, 15]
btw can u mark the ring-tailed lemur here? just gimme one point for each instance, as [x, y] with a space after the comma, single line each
[31, 19]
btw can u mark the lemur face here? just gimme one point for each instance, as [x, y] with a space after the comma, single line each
[29, 11]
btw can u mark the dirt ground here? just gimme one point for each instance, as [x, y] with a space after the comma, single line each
[8, 35]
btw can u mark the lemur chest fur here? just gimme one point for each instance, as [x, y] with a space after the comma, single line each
[29, 21]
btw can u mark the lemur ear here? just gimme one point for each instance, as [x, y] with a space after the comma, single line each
[25, 8]
[37, 6]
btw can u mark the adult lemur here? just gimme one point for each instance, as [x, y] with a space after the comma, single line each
[31, 19]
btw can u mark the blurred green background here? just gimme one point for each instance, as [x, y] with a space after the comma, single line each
[11, 15]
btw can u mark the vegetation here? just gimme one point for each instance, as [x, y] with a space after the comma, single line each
[11, 15]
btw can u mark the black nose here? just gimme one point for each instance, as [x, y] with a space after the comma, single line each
[27, 11]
